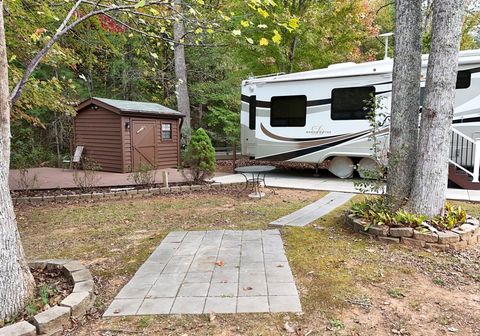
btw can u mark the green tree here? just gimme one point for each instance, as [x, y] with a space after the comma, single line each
[200, 156]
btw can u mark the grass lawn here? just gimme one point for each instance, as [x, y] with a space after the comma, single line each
[348, 283]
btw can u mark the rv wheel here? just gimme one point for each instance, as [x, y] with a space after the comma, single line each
[341, 166]
[368, 169]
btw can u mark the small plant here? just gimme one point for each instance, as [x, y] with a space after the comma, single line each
[337, 324]
[144, 321]
[45, 292]
[373, 180]
[377, 211]
[199, 157]
[86, 179]
[145, 175]
[25, 181]
[395, 293]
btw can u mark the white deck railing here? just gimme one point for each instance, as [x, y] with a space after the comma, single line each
[465, 153]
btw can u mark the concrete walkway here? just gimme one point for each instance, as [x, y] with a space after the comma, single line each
[53, 178]
[291, 181]
[314, 211]
[219, 271]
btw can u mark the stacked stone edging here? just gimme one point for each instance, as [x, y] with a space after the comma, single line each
[467, 234]
[55, 319]
[136, 193]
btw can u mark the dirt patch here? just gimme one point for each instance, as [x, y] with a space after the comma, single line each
[51, 288]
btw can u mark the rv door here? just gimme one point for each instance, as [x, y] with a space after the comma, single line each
[249, 120]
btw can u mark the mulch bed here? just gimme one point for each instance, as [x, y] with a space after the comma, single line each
[227, 165]
[51, 288]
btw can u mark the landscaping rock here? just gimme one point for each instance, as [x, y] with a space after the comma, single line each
[82, 275]
[401, 232]
[389, 239]
[462, 244]
[465, 231]
[52, 321]
[448, 237]
[78, 303]
[378, 230]
[19, 329]
[437, 247]
[412, 242]
[473, 221]
[73, 266]
[358, 226]
[84, 286]
[428, 237]
[56, 263]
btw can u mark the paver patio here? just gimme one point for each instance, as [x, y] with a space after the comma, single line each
[219, 271]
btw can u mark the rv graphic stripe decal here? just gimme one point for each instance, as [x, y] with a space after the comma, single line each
[310, 103]
[466, 120]
[304, 140]
[305, 151]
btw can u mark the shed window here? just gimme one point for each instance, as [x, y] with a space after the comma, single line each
[464, 79]
[166, 131]
[351, 103]
[288, 111]
[252, 112]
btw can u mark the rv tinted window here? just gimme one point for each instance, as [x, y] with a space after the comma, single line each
[288, 111]
[350, 103]
[252, 111]
[463, 79]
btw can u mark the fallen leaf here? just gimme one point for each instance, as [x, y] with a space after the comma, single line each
[220, 263]
[212, 317]
[288, 328]
[116, 311]
[247, 288]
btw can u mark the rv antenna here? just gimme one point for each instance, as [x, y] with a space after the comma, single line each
[386, 35]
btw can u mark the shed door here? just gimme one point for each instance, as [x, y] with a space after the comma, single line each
[143, 143]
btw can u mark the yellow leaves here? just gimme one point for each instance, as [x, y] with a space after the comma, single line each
[244, 23]
[293, 23]
[192, 11]
[154, 11]
[236, 32]
[154, 55]
[249, 40]
[277, 38]
[263, 41]
[201, 2]
[262, 12]
[199, 30]
[37, 34]
[263, 26]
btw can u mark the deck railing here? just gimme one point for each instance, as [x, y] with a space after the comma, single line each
[465, 153]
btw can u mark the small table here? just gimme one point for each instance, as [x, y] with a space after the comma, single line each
[258, 175]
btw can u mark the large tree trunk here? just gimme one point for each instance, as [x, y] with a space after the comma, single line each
[431, 173]
[183, 100]
[16, 281]
[405, 100]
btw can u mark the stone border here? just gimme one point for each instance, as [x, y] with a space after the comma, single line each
[138, 193]
[53, 320]
[467, 234]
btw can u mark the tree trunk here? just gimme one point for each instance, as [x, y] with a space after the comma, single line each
[183, 100]
[16, 281]
[405, 100]
[431, 173]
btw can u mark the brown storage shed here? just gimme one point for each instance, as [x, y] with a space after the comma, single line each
[121, 135]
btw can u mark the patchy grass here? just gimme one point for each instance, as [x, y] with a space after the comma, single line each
[346, 280]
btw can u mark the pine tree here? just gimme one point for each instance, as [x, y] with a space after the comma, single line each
[200, 156]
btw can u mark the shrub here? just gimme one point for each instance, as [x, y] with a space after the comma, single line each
[86, 179]
[144, 176]
[199, 157]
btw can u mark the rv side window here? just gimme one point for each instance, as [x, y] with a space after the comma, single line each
[288, 111]
[350, 103]
[252, 111]
[464, 78]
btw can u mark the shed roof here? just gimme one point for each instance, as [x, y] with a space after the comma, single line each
[130, 107]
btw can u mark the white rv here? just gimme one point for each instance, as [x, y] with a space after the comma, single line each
[319, 115]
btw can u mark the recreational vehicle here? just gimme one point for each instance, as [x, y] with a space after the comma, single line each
[320, 115]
